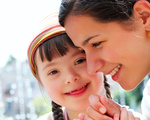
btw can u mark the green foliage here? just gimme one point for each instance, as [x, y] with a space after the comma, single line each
[131, 98]
[135, 94]
[41, 106]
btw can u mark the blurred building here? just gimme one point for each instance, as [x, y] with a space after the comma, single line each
[18, 87]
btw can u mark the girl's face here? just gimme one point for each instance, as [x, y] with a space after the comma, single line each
[66, 79]
[111, 49]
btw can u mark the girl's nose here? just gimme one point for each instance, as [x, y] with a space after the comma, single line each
[72, 76]
[94, 64]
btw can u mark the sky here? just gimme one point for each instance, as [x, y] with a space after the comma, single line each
[18, 20]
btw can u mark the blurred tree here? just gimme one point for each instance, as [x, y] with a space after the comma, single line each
[131, 98]
[11, 60]
[135, 96]
[41, 106]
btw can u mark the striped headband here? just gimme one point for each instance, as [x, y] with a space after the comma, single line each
[48, 28]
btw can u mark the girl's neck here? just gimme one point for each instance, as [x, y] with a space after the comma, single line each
[72, 114]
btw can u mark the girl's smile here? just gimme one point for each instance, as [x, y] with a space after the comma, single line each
[79, 91]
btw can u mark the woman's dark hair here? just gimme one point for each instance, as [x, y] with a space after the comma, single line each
[57, 47]
[101, 10]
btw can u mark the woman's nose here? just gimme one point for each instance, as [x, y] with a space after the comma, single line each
[94, 64]
[72, 76]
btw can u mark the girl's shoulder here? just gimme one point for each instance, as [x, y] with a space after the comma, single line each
[47, 116]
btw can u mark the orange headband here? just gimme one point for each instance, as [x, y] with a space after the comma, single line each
[49, 28]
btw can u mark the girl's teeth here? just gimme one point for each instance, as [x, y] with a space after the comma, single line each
[80, 88]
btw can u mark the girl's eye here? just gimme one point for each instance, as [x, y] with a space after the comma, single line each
[53, 72]
[80, 61]
[96, 44]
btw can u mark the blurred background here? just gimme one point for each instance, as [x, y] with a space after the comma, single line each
[21, 97]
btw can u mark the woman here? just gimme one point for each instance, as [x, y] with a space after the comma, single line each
[115, 35]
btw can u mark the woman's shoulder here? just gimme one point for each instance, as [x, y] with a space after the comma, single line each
[137, 114]
[47, 116]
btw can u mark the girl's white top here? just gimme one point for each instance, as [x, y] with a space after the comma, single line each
[49, 116]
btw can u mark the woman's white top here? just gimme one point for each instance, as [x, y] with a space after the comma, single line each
[145, 105]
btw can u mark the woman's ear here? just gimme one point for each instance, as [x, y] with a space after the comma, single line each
[141, 10]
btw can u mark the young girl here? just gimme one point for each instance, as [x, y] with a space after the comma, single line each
[61, 68]
[115, 35]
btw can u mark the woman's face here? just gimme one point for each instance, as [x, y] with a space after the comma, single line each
[111, 49]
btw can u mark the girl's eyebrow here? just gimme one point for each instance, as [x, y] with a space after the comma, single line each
[48, 64]
[55, 63]
[88, 39]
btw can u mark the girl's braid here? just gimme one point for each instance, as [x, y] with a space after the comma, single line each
[107, 87]
[57, 111]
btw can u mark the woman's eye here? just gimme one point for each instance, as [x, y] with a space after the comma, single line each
[83, 51]
[80, 61]
[96, 44]
[53, 72]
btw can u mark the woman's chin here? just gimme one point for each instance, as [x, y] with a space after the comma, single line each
[128, 87]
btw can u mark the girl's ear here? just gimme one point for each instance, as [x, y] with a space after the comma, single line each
[141, 10]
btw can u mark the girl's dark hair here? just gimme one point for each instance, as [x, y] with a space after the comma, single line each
[107, 88]
[101, 10]
[57, 111]
[57, 47]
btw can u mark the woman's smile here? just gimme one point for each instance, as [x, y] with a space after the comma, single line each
[115, 72]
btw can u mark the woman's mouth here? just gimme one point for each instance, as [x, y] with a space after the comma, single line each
[115, 70]
[78, 91]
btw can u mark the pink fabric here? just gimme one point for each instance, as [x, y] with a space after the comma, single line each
[65, 114]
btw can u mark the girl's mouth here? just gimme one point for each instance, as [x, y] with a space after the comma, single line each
[78, 91]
